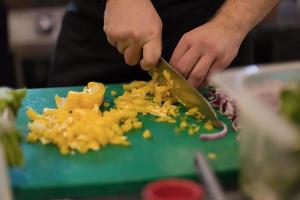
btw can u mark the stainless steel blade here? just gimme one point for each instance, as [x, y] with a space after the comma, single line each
[185, 93]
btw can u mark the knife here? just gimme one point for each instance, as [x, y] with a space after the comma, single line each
[184, 92]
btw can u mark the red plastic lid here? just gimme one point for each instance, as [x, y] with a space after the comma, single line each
[173, 189]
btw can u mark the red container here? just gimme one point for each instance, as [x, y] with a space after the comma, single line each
[173, 189]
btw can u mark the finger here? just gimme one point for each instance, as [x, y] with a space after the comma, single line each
[181, 48]
[119, 35]
[119, 42]
[198, 75]
[121, 46]
[204, 83]
[111, 42]
[151, 54]
[213, 70]
[217, 66]
[132, 54]
[115, 36]
[188, 62]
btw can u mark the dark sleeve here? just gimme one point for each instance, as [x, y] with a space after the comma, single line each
[92, 8]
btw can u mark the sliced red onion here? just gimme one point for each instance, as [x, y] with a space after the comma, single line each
[229, 111]
[235, 126]
[214, 136]
[225, 105]
[215, 102]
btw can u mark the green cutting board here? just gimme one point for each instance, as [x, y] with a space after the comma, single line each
[114, 169]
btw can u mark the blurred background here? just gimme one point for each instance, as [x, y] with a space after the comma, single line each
[29, 28]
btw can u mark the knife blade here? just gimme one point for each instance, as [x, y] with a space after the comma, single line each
[185, 93]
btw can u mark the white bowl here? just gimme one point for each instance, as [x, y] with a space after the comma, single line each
[269, 144]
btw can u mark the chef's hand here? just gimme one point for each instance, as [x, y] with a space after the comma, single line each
[135, 29]
[205, 50]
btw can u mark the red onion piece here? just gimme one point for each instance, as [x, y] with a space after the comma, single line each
[235, 127]
[229, 110]
[225, 105]
[214, 136]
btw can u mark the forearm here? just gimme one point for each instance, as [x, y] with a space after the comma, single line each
[243, 15]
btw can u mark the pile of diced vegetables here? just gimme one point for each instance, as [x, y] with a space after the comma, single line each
[78, 125]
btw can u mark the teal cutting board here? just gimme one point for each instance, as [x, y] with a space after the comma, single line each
[114, 170]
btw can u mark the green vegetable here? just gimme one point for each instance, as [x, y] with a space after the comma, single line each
[290, 103]
[10, 137]
[11, 142]
[11, 98]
